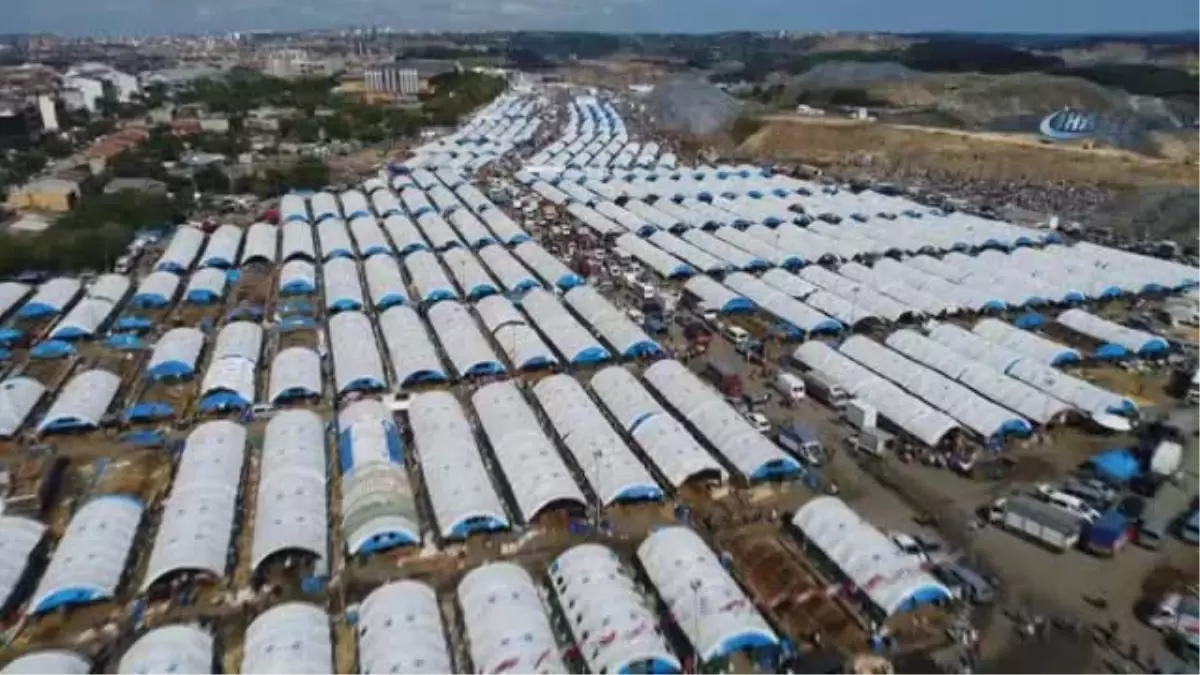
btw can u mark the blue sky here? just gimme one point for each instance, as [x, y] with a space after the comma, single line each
[122, 17]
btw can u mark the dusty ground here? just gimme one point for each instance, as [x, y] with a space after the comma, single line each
[840, 144]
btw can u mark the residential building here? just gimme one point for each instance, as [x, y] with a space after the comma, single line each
[45, 194]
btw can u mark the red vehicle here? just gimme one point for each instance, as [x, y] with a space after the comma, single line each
[728, 382]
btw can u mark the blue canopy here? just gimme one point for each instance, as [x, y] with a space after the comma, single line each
[1030, 320]
[1119, 465]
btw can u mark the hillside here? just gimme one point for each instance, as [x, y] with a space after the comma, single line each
[1001, 169]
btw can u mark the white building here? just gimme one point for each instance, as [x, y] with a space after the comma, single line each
[390, 78]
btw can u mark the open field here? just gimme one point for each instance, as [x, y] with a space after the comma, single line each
[904, 149]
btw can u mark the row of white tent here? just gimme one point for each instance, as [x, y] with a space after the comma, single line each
[199, 516]
[508, 625]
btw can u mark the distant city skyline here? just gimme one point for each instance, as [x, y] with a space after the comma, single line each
[149, 17]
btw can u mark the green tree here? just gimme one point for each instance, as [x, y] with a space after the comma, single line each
[212, 178]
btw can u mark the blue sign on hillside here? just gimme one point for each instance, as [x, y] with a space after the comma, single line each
[1069, 125]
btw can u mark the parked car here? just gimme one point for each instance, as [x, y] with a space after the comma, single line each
[759, 421]
[971, 586]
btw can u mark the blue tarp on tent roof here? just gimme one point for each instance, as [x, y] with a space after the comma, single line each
[52, 349]
[10, 335]
[1030, 321]
[1120, 465]
[134, 323]
[125, 341]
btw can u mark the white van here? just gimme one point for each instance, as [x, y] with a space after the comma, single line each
[790, 385]
[736, 334]
[1069, 503]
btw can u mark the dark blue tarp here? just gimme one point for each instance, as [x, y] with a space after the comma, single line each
[1030, 320]
[1118, 465]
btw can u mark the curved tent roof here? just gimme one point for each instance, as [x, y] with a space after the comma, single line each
[60, 661]
[529, 460]
[658, 259]
[795, 315]
[1136, 341]
[973, 411]
[174, 648]
[470, 229]
[369, 237]
[894, 288]
[594, 221]
[513, 276]
[746, 450]
[356, 362]
[290, 638]
[334, 239]
[343, 288]
[788, 283]
[612, 624]
[465, 346]
[613, 472]
[573, 341]
[443, 199]
[324, 205]
[630, 222]
[385, 203]
[733, 256]
[206, 286]
[550, 193]
[291, 503]
[197, 521]
[460, 491]
[51, 298]
[293, 208]
[473, 281]
[503, 227]
[12, 293]
[629, 339]
[297, 241]
[473, 198]
[262, 240]
[1011, 393]
[234, 361]
[82, 402]
[379, 509]
[297, 277]
[157, 289]
[439, 233]
[404, 234]
[974, 347]
[428, 278]
[706, 603]
[176, 354]
[1025, 343]
[863, 300]
[414, 357]
[689, 253]
[893, 580]
[400, 630]
[714, 296]
[1080, 393]
[222, 247]
[385, 284]
[19, 538]
[415, 202]
[295, 372]
[520, 342]
[19, 395]
[918, 419]
[181, 252]
[84, 320]
[507, 626]
[91, 555]
[657, 218]
[354, 204]
[550, 269]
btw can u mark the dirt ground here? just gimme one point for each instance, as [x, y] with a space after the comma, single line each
[839, 143]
